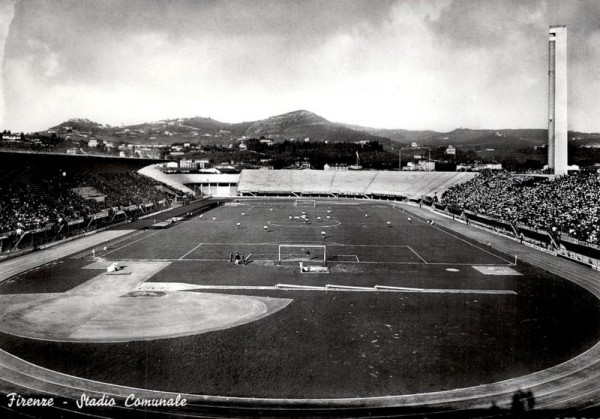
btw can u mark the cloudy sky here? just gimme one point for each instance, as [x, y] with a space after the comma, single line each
[431, 64]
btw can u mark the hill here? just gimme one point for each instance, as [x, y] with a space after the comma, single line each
[80, 124]
[304, 124]
[502, 139]
[293, 125]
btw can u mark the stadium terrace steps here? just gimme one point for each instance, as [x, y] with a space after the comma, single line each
[156, 174]
[330, 182]
[411, 184]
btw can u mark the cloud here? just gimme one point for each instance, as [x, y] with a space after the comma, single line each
[434, 64]
[7, 10]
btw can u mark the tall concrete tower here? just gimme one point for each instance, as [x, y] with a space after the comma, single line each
[557, 100]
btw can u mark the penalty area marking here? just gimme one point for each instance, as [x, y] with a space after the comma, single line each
[200, 244]
[419, 256]
[418, 218]
[350, 259]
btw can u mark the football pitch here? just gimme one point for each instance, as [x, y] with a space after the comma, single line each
[403, 307]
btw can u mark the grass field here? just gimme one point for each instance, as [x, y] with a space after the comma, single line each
[465, 315]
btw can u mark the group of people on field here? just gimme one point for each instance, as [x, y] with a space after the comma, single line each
[237, 258]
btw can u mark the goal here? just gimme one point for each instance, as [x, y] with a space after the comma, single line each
[308, 253]
[305, 203]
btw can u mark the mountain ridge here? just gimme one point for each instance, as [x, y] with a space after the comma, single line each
[303, 124]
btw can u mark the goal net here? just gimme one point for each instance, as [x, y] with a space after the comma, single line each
[308, 253]
[305, 203]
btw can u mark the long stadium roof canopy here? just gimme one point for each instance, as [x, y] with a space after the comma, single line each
[13, 163]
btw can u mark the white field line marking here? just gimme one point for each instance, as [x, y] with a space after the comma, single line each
[419, 256]
[350, 288]
[347, 261]
[129, 244]
[462, 240]
[112, 242]
[200, 244]
[273, 257]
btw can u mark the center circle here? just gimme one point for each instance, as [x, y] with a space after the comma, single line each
[301, 223]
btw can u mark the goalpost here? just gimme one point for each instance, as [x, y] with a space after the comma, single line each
[312, 253]
[305, 203]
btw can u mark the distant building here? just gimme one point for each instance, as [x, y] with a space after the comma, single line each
[451, 150]
[342, 167]
[188, 164]
[93, 143]
[487, 166]
[426, 166]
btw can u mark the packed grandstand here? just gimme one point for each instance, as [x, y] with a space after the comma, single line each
[559, 215]
[567, 205]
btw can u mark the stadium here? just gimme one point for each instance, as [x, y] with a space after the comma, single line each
[291, 298]
[294, 266]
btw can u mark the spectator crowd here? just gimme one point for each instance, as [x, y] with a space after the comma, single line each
[566, 205]
[37, 203]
